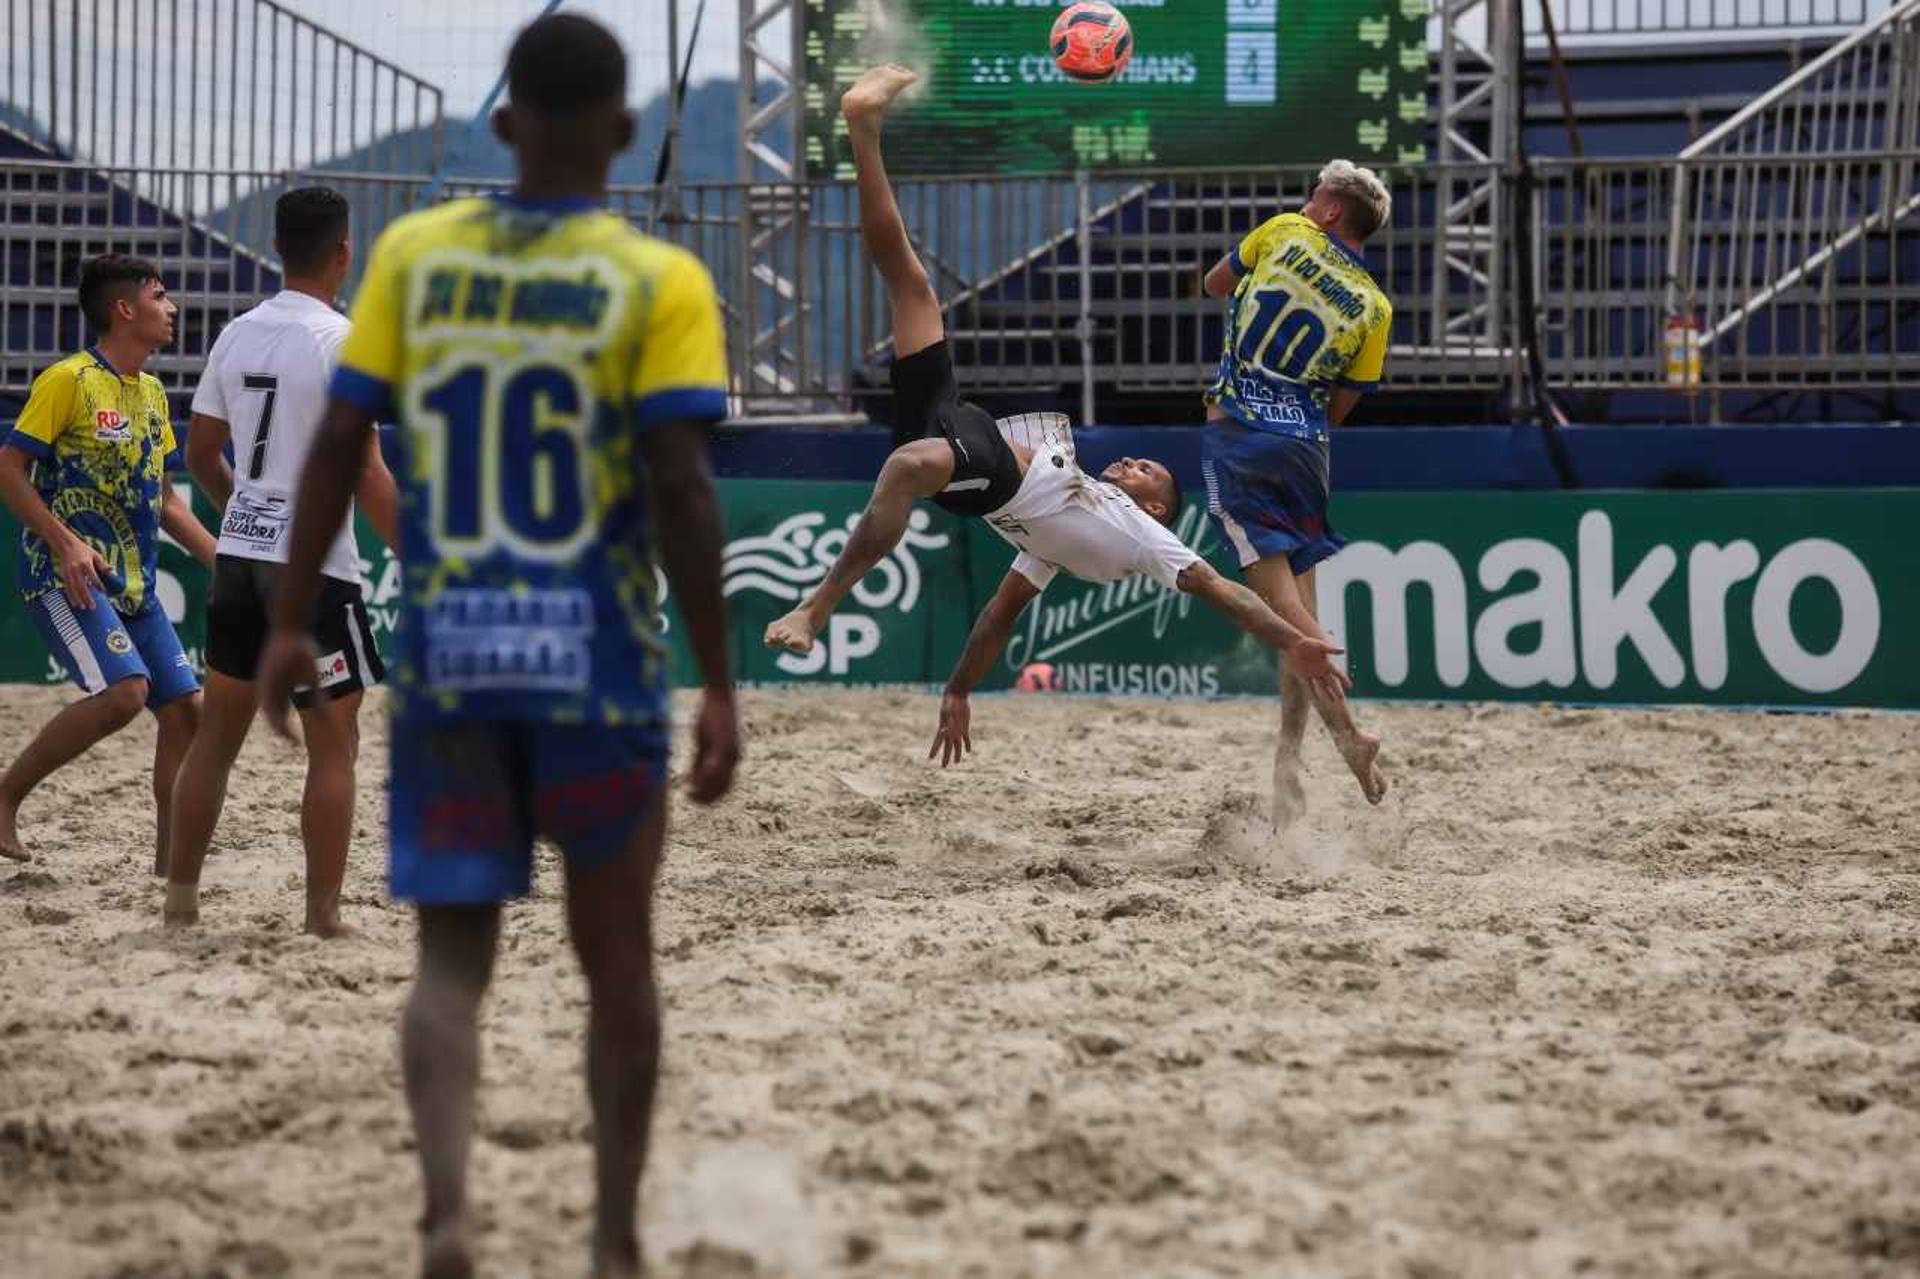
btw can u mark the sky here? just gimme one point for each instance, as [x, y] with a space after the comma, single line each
[459, 45]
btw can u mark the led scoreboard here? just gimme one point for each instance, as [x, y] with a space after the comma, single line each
[1221, 83]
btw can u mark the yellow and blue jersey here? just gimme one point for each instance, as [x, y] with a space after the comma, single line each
[100, 442]
[1305, 319]
[524, 350]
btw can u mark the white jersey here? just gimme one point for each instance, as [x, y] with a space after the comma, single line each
[1063, 518]
[266, 378]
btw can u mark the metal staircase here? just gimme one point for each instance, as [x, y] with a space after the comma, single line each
[163, 128]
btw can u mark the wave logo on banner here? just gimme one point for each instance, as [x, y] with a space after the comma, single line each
[796, 554]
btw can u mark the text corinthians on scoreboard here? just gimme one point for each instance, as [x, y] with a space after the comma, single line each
[1211, 83]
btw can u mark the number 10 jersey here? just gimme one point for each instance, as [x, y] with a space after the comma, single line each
[525, 349]
[266, 378]
[1306, 318]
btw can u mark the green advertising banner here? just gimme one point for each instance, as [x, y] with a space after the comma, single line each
[1738, 597]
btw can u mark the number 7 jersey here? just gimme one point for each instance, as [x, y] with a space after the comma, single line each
[524, 349]
[1306, 318]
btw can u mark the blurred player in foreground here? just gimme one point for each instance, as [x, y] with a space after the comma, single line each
[85, 473]
[554, 372]
[1306, 336]
[1021, 477]
[265, 389]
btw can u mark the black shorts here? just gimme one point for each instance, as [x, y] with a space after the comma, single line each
[927, 403]
[238, 618]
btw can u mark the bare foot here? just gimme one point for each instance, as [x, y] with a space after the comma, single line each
[182, 908]
[10, 846]
[874, 92]
[794, 632]
[329, 928]
[1362, 755]
[620, 1262]
[1289, 796]
[446, 1253]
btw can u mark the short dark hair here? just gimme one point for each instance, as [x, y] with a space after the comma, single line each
[565, 65]
[309, 223]
[103, 280]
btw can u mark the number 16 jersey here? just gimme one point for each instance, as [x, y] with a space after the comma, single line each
[1306, 318]
[524, 349]
[266, 378]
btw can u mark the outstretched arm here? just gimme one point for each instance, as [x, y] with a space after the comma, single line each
[1310, 656]
[984, 644]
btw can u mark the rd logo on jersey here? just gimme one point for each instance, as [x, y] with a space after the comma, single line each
[109, 425]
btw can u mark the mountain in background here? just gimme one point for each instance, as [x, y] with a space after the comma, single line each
[708, 149]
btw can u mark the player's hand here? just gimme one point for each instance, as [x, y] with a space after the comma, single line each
[716, 747]
[954, 738]
[80, 568]
[1312, 660]
[286, 663]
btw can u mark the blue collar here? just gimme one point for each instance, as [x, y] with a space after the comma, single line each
[561, 204]
[1345, 251]
[103, 362]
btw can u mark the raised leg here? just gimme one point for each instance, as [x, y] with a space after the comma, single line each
[917, 323]
[63, 739]
[440, 1056]
[200, 790]
[332, 730]
[913, 471]
[610, 914]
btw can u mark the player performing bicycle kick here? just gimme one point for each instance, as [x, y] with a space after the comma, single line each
[1020, 476]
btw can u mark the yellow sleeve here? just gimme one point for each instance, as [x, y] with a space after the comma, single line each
[370, 358]
[1364, 373]
[681, 373]
[1258, 244]
[48, 410]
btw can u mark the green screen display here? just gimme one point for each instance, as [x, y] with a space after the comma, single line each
[1222, 83]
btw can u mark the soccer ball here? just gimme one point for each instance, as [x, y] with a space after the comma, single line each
[1091, 41]
[1040, 677]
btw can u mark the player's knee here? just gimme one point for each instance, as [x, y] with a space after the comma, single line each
[921, 468]
[123, 700]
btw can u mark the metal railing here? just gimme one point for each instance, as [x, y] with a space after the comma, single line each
[1798, 271]
[1803, 270]
[1582, 18]
[236, 86]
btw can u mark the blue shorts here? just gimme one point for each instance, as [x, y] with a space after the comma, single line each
[467, 797]
[1267, 492]
[99, 646]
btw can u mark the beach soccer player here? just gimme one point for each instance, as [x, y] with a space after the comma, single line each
[263, 392]
[1019, 475]
[552, 374]
[1306, 337]
[85, 472]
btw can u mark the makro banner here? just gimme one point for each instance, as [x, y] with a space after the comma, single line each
[1729, 596]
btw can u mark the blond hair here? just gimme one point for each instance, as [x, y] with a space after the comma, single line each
[1362, 192]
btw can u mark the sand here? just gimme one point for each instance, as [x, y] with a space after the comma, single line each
[1595, 992]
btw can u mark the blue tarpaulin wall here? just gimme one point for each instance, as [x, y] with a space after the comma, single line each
[1437, 457]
